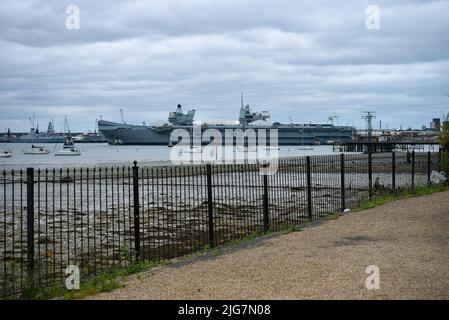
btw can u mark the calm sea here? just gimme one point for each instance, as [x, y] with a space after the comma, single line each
[95, 154]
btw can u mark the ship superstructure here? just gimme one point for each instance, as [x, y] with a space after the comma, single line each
[36, 136]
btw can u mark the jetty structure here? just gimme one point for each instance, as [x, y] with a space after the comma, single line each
[384, 146]
[385, 140]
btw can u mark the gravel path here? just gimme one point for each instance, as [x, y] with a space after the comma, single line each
[408, 240]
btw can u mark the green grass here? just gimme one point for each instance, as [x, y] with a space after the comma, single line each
[217, 252]
[247, 238]
[285, 228]
[104, 282]
[334, 216]
[401, 194]
[32, 291]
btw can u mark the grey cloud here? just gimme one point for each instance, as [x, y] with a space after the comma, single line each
[302, 59]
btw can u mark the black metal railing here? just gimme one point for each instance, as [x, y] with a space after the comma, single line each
[109, 217]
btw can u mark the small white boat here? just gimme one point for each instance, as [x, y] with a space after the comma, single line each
[69, 149]
[36, 150]
[303, 146]
[68, 152]
[5, 154]
[68, 143]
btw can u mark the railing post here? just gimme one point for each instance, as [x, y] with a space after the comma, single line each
[429, 166]
[309, 189]
[393, 170]
[413, 169]
[370, 174]
[210, 208]
[342, 181]
[266, 221]
[30, 220]
[136, 210]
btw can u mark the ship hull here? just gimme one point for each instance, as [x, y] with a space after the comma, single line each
[288, 135]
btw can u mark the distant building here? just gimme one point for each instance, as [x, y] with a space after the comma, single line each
[435, 124]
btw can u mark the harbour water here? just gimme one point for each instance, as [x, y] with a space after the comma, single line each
[102, 154]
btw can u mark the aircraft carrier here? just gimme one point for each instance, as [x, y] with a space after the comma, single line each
[159, 134]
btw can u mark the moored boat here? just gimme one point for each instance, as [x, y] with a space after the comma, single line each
[5, 154]
[68, 148]
[36, 150]
[68, 143]
[68, 152]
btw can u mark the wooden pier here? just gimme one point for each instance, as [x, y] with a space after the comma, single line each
[387, 146]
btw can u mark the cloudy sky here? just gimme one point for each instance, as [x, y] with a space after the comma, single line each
[299, 59]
